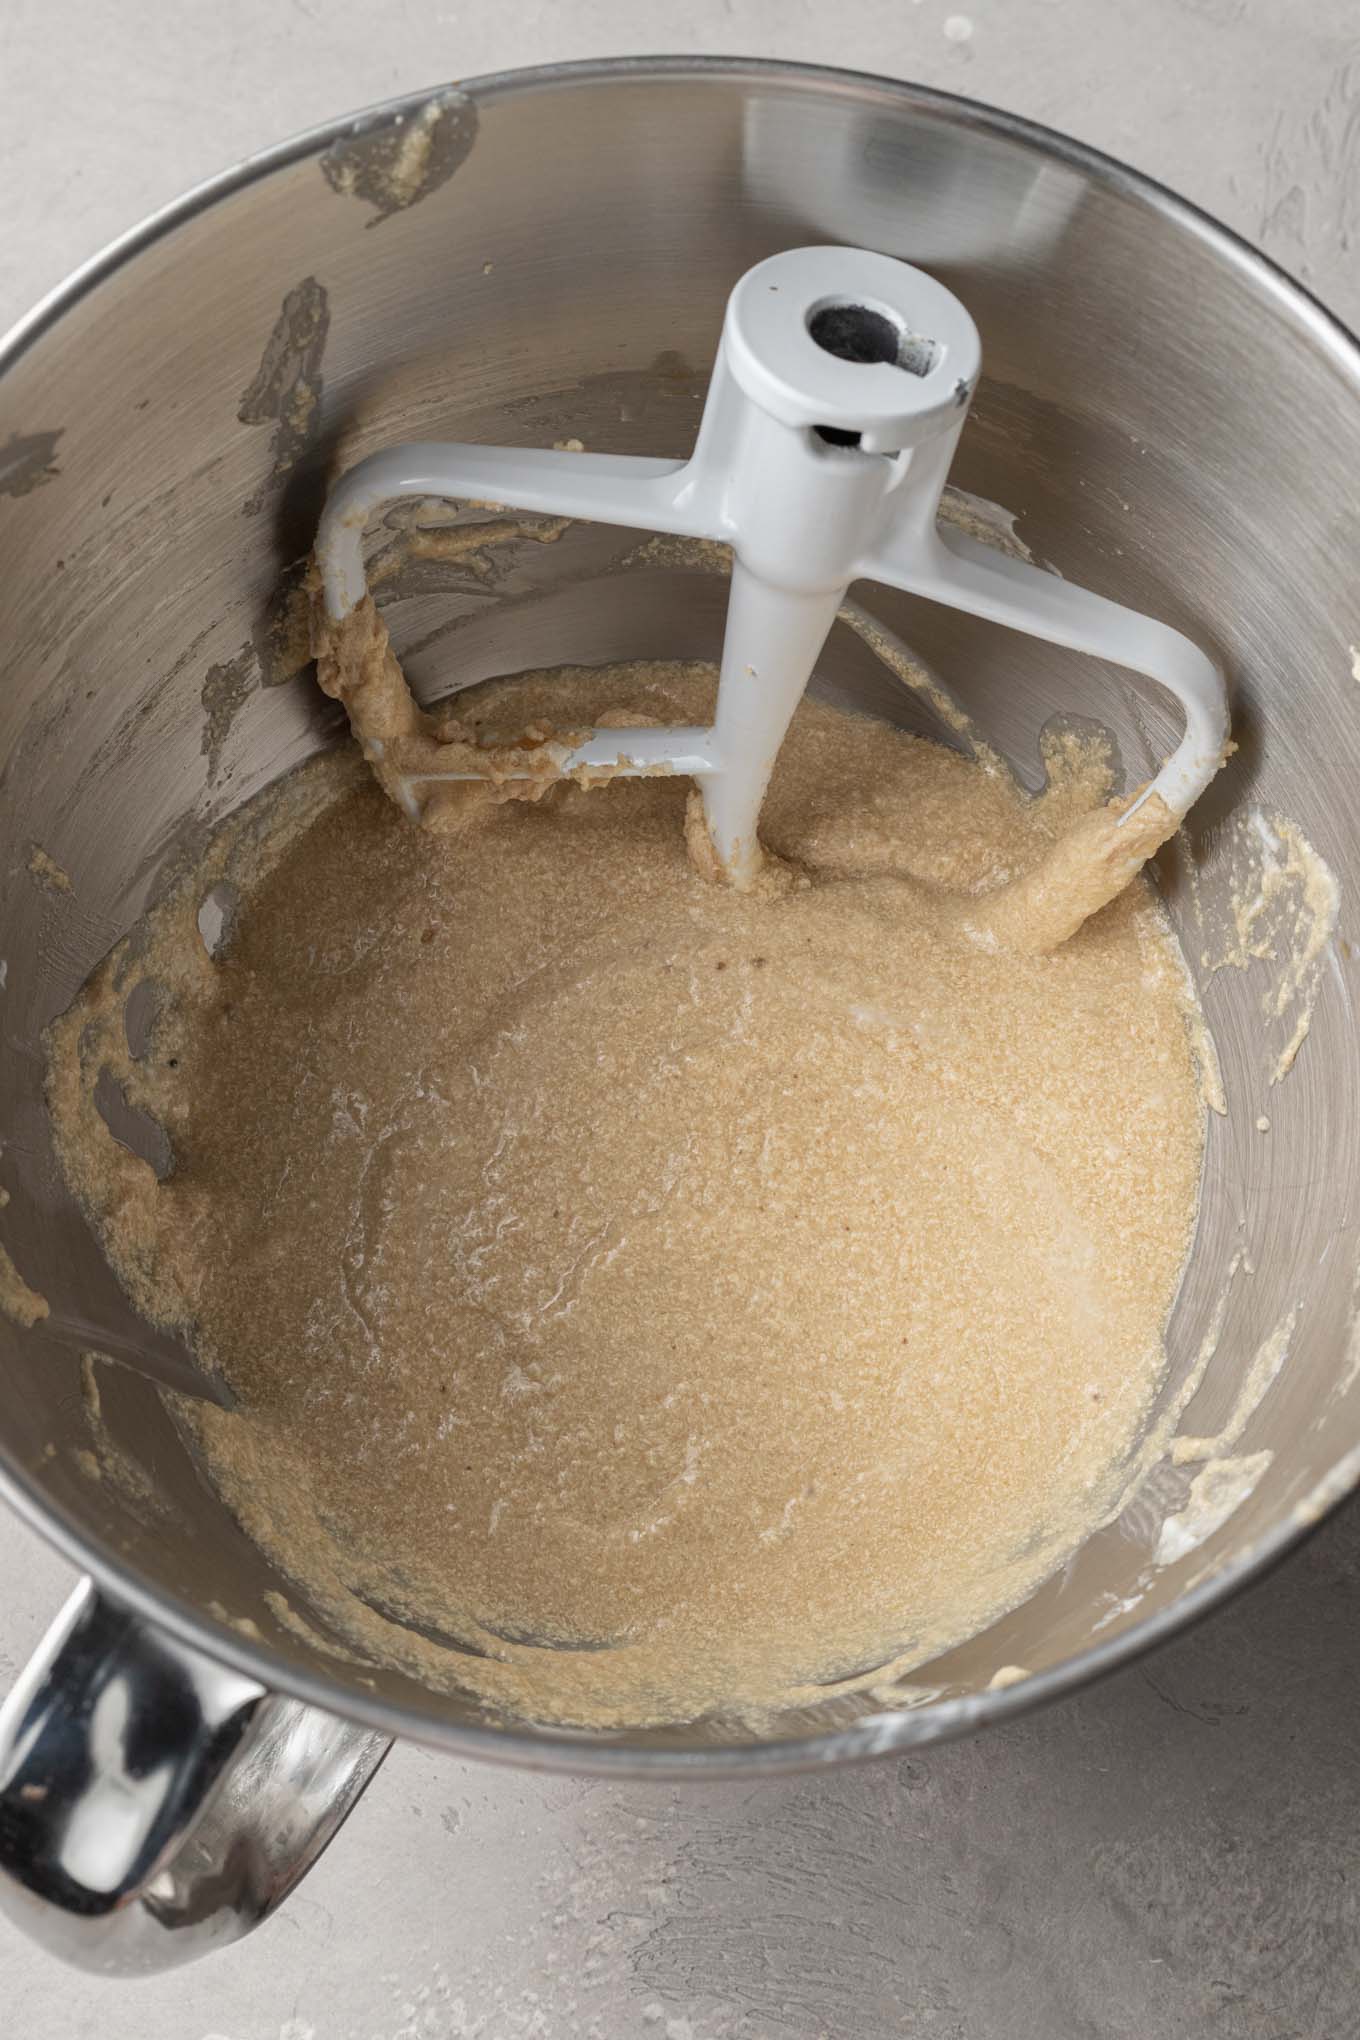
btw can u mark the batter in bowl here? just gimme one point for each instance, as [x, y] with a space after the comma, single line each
[645, 1299]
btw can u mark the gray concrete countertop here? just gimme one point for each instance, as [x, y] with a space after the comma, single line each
[1175, 1853]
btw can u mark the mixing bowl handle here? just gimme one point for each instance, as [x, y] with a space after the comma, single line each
[153, 1803]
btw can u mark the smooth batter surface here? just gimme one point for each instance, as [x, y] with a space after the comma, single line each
[644, 1298]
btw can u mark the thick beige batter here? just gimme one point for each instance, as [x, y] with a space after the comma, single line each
[646, 1299]
[1033, 909]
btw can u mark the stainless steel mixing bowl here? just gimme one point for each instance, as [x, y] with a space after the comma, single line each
[532, 257]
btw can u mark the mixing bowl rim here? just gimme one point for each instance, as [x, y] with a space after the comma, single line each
[552, 1748]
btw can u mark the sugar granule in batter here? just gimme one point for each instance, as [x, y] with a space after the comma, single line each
[643, 1298]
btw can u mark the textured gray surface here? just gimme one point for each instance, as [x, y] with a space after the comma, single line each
[1173, 1854]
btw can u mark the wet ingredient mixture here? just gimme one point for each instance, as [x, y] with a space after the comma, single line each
[645, 1299]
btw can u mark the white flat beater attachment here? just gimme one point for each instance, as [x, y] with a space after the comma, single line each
[839, 393]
